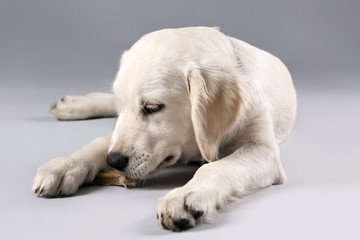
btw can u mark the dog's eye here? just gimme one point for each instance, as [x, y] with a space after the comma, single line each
[150, 108]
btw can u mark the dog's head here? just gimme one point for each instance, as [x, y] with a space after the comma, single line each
[170, 107]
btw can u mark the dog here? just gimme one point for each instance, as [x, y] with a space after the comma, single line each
[180, 95]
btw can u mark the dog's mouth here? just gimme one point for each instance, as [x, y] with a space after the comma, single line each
[166, 162]
[168, 158]
[141, 171]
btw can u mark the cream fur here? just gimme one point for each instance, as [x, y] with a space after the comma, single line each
[225, 101]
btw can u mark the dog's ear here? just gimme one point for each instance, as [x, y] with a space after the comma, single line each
[215, 107]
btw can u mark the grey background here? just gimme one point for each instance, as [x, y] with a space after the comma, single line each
[52, 48]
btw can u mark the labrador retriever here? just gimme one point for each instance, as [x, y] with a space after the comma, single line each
[188, 94]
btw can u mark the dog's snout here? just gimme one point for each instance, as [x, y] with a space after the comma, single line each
[117, 160]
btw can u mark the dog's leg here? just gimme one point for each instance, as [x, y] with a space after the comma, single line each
[84, 107]
[64, 175]
[253, 166]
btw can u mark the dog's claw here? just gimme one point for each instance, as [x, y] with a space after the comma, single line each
[196, 214]
[163, 225]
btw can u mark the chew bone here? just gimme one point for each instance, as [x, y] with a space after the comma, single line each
[113, 177]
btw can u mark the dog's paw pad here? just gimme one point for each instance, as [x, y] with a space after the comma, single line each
[196, 214]
[182, 224]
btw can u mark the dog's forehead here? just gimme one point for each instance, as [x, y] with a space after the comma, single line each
[153, 83]
[133, 94]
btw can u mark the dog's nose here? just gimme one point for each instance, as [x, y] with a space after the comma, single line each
[117, 161]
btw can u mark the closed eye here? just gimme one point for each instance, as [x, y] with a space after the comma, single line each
[150, 108]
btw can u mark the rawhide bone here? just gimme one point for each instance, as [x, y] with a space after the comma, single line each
[114, 177]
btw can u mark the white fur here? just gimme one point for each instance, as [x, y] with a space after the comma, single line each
[225, 101]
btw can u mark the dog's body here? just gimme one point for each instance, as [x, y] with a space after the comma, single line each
[183, 95]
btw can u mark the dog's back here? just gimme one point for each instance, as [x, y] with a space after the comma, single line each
[276, 90]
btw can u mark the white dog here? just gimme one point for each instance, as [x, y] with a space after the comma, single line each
[183, 95]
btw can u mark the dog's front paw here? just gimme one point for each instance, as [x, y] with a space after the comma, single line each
[60, 176]
[185, 207]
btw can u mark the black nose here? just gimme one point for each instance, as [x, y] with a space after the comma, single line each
[117, 161]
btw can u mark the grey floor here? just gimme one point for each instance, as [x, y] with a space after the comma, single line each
[321, 158]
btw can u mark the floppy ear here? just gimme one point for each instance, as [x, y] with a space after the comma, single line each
[215, 107]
